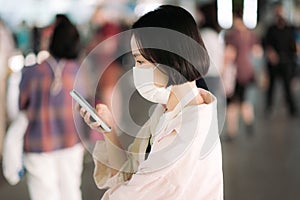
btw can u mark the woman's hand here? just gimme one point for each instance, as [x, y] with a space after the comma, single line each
[103, 112]
[206, 96]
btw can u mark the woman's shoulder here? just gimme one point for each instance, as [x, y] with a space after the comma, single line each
[32, 70]
[204, 99]
[201, 114]
[72, 62]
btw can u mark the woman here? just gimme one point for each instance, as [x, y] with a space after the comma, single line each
[184, 118]
[53, 153]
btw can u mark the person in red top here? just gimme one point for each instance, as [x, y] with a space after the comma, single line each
[244, 43]
[53, 153]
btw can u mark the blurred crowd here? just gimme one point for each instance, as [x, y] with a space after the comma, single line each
[242, 59]
[38, 70]
[27, 46]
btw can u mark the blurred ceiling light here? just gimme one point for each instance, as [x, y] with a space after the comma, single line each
[250, 13]
[16, 63]
[59, 6]
[142, 8]
[30, 60]
[225, 13]
[104, 2]
[42, 55]
[92, 2]
[114, 12]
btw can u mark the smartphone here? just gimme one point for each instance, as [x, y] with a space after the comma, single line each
[83, 103]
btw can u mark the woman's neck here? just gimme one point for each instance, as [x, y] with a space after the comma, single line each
[180, 91]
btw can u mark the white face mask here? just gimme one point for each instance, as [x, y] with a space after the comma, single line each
[144, 83]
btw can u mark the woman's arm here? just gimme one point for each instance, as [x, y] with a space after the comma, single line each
[114, 165]
[116, 154]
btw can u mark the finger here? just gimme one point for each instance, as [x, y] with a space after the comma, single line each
[82, 112]
[95, 125]
[87, 118]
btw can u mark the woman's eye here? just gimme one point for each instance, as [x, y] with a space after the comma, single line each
[140, 62]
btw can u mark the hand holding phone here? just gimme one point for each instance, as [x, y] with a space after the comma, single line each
[84, 104]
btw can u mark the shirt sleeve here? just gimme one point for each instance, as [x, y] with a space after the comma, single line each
[144, 187]
[103, 170]
[148, 184]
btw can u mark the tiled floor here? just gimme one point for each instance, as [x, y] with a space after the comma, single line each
[265, 165]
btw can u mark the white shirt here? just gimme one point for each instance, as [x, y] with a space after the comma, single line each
[185, 161]
[215, 46]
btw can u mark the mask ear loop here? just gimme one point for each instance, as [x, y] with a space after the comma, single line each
[156, 66]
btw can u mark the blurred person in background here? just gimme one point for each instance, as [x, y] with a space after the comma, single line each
[6, 50]
[215, 45]
[243, 43]
[53, 152]
[99, 54]
[35, 39]
[45, 33]
[23, 38]
[112, 72]
[281, 55]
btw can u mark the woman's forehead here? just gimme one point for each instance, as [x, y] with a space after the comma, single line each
[134, 46]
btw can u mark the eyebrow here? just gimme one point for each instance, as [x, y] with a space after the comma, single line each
[136, 55]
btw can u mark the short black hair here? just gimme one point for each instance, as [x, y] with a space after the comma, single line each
[65, 40]
[175, 19]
